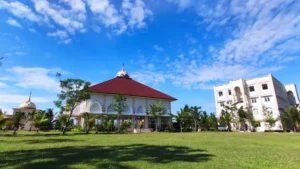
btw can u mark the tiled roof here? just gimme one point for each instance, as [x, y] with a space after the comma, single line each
[130, 87]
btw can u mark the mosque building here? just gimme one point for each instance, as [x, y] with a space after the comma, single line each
[139, 98]
[26, 107]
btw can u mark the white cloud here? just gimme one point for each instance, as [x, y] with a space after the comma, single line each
[182, 4]
[32, 30]
[35, 78]
[2, 85]
[6, 98]
[60, 34]
[71, 20]
[20, 10]
[76, 5]
[158, 48]
[148, 77]
[136, 13]
[14, 23]
[108, 14]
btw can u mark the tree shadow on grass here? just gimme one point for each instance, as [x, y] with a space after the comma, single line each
[101, 156]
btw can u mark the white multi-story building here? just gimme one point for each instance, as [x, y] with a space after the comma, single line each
[257, 93]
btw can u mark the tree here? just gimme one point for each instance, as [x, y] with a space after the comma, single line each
[48, 124]
[31, 118]
[156, 110]
[195, 112]
[73, 92]
[61, 122]
[225, 120]
[242, 118]
[291, 118]
[125, 125]
[213, 121]
[182, 116]
[18, 121]
[86, 118]
[119, 106]
[3, 120]
[268, 117]
[254, 123]
[204, 121]
[39, 119]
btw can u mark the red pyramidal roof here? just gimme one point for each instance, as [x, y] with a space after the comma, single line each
[129, 87]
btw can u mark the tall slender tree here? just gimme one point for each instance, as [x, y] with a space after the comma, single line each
[156, 111]
[86, 117]
[182, 116]
[213, 121]
[225, 120]
[195, 112]
[119, 106]
[18, 120]
[73, 92]
[204, 121]
[242, 118]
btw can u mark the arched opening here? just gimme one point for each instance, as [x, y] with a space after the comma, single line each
[95, 108]
[238, 94]
[140, 110]
[291, 98]
[110, 109]
[127, 110]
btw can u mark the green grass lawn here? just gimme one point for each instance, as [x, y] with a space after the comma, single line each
[153, 150]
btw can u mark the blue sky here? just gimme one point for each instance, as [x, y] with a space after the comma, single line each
[181, 47]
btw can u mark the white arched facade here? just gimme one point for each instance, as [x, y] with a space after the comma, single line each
[140, 110]
[110, 109]
[95, 107]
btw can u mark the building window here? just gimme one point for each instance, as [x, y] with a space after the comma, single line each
[220, 94]
[253, 100]
[267, 99]
[264, 86]
[222, 104]
[251, 89]
[229, 102]
[229, 92]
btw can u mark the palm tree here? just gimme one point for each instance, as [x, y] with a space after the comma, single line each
[18, 120]
[30, 118]
[204, 120]
[291, 118]
[39, 119]
[242, 117]
[182, 116]
[213, 121]
[156, 110]
[225, 120]
[195, 112]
